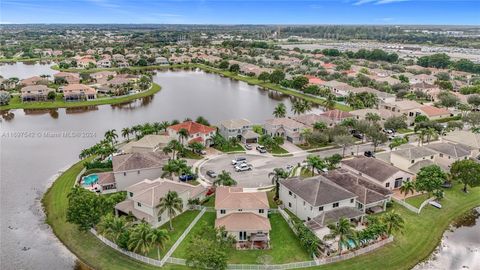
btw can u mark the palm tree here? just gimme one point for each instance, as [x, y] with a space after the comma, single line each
[298, 107]
[164, 125]
[393, 221]
[330, 101]
[174, 146]
[344, 231]
[171, 203]
[431, 133]
[315, 162]
[372, 117]
[156, 127]
[126, 133]
[277, 175]
[175, 166]
[183, 135]
[159, 237]
[407, 187]
[306, 135]
[112, 227]
[111, 136]
[224, 179]
[141, 238]
[280, 111]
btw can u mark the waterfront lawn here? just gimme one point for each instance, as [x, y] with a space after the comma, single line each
[16, 103]
[179, 223]
[421, 235]
[416, 201]
[285, 245]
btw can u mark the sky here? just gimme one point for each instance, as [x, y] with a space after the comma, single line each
[392, 12]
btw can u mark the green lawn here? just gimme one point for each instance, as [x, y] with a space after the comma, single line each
[421, 236]
[16, 103]
[180, 223]
[192, 155]
[270, 196]
[312, 146]
[230, 148]
[278, 150]
[405, 130]
[285, 245]
[209, 201]
[416, 201]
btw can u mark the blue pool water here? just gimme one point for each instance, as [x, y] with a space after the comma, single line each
[90, 179]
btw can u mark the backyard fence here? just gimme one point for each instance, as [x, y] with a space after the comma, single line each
[288, 219]
[411, 207]
[294, 265]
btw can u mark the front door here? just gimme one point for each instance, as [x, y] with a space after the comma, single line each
[398, 182]
[242, 236]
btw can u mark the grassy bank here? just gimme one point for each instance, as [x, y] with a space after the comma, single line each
[19, 59]
[16, 103]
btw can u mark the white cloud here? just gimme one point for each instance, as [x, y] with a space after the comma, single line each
[376, 2]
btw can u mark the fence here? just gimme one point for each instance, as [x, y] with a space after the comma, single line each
[411, 207]
[288, 219]
[294, 265]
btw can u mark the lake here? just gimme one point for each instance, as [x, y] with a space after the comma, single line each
[23, 70]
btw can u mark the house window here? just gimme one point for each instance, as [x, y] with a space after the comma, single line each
[431, 157]
[290, 193]
[387, 185]
[139, 204]
[413, 161]
[240, 210]
[159, 218]
[308, 218]
[303, 202]
[124, 173]
[441, 155]
[351, 200]
[138, 172]
[335, 205]
[131, 194]
[261, 211]
[294, 196]
[320, 208]
[290, 204]
[311, 208]
[222, 211]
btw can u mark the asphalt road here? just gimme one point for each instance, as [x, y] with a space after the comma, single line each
[264, 164]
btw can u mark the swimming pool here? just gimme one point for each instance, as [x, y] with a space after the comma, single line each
[90, 179]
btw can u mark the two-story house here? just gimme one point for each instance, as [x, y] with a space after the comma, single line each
[241, 129]
[244, 215]
[196, 133]
[377, 171]
[286, 128]
[144, 197]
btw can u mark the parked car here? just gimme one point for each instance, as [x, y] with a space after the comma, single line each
[358, 135]
[239, 160]
[211, 173]
[248, 146]
[187, 177]
[261, 149]
[389, 131]
[369, 154]
[243, 167]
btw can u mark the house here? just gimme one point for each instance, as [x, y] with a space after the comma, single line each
[412, 158]
[35, 80]
[409, 108]
[319, 202]
[384, 114]
[68, 77]
[244, 215]
[337, 116]
[314, 80]
[434, 113]
[35, 92]
[196, 133]
[104, 63]
[79, 92]
[161, 60]
[148, 143]
[129, 169]
[382, 96]
[86, 62]
[370, 196]
[379, 172]
[310, 119]
[338, 88]
[143, 199]
[102, 77]
[464, 137]
[423, 78]
[241, 129]
[448, 153]
[429, 90]
[286, 128]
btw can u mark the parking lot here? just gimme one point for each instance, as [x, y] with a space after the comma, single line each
[264, 164]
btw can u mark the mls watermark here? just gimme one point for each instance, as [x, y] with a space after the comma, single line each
[46, 134]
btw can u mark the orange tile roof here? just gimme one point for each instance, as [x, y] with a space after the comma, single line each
[434, 111]
[192, 127]
[243, 222]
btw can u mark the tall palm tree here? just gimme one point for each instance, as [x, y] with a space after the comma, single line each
[345, 232]
[111, 136]
[431, 133]
[171, 203]
[156, 127]
[224, 179]
[306, 135]
[298, 107]
[141, 238]
[164, 125]
[159, 237]
[183, 135]
[280, 111]
[407, 187]
[277, 175]
[315, 162]
[126, 133]
[393, 221]
[175, 146]
[330, 101]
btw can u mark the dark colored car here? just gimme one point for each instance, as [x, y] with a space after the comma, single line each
[368, 154]
[358, 135]
[187, 177]
[211, 173]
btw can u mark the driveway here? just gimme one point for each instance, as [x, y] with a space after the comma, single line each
[290, 147]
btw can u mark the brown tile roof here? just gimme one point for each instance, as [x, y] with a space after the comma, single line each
[244, 221]
[334, 215]
[135, 161]
[160, 187]
[434, 111]
[192, 127]
[105, 178]
[317, 190]
[372, 167]
[337, 115]
[236, 198]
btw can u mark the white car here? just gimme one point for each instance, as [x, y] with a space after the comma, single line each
[239, 160]
[243, 167]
